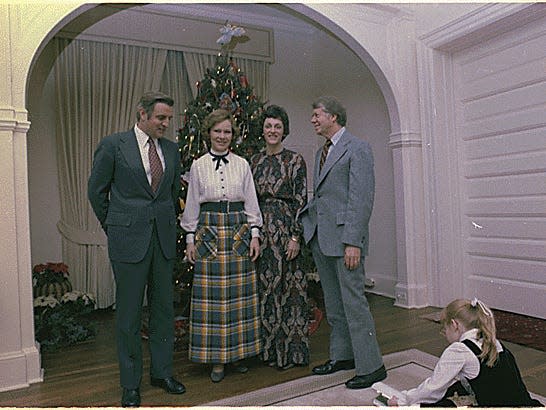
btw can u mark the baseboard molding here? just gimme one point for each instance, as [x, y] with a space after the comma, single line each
[20, 369]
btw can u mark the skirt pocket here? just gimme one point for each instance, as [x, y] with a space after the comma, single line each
[206, 243]
[241, 240]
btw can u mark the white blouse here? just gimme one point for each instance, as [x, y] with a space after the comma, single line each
[457, 362]
[231, 182]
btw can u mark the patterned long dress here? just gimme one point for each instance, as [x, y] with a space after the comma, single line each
[281, 185]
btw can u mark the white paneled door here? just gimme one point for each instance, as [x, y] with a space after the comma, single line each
[500, 90]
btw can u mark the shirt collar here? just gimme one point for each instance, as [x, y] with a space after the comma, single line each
[335, 138]
[219, 153]
[142, 137]
[471, 334]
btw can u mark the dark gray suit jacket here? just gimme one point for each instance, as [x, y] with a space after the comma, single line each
[343, 197]
[124, 202]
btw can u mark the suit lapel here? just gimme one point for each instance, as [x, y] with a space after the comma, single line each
[317, 167]
[129, 148]
[336, 152]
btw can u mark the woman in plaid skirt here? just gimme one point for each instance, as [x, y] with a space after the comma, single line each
[222, 220]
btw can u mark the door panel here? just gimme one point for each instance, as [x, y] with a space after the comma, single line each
[500, 92]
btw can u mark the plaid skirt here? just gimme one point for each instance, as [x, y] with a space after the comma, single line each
[225, 315]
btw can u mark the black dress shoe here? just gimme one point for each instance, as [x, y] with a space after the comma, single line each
[333, 366]
[130, 398]
[170, 385]
[362, 382]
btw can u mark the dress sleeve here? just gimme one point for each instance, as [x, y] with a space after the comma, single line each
[447, 372]
[299, 193]
[252, 209]
[190, 216]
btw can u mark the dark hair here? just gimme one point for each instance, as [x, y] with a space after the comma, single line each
[148, 101]
[279, 113]
[332, 106]
[214, 118]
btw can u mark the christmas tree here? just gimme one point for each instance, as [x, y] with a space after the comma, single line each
[224, 86]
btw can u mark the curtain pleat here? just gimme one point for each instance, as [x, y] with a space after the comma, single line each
[97, 89]
[257, 72]
[196, 66]
[175, 83]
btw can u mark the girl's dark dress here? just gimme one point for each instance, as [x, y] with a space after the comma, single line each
[500, 385]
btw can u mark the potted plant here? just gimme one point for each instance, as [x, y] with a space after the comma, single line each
[50, 279]
[65, 321]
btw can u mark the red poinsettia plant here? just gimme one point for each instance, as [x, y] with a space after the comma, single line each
[50, 278]
[49, 272]
[61, 315]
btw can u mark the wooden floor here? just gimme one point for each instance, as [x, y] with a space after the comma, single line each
[86, 375]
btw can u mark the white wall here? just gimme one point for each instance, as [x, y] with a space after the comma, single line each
[45, 207]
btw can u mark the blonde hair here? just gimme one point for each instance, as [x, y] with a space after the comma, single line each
[474, 314]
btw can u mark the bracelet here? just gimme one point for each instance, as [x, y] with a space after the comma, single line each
[293, 238]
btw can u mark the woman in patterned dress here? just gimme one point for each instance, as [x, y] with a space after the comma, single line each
[280, 178]
[222, 221]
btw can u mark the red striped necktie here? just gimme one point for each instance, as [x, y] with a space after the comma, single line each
[156, 168]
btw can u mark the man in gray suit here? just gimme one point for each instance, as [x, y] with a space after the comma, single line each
[335, 225]
[133, 190]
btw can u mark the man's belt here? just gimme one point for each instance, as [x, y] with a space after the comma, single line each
[222, 206]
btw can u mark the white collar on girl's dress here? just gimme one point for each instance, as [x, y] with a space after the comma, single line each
[472, 335]
[218, 153]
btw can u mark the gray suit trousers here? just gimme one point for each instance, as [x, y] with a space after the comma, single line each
[348, 313]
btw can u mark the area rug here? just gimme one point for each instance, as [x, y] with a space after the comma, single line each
[405, 370]
[512, 327]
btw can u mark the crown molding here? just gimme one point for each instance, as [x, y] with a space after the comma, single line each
[271, 17]
[485, 22]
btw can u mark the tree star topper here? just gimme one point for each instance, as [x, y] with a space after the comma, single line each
[231, 35]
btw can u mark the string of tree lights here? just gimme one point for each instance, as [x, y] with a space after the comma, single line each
[224, 86]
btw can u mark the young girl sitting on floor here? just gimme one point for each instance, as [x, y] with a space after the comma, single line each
[474, 357]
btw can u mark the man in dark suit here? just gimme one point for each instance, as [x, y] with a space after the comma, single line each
[133, 189]
[335, 224]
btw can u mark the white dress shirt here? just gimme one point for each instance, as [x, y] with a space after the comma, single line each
[232, 182]
[143, 146]
[457, 362]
